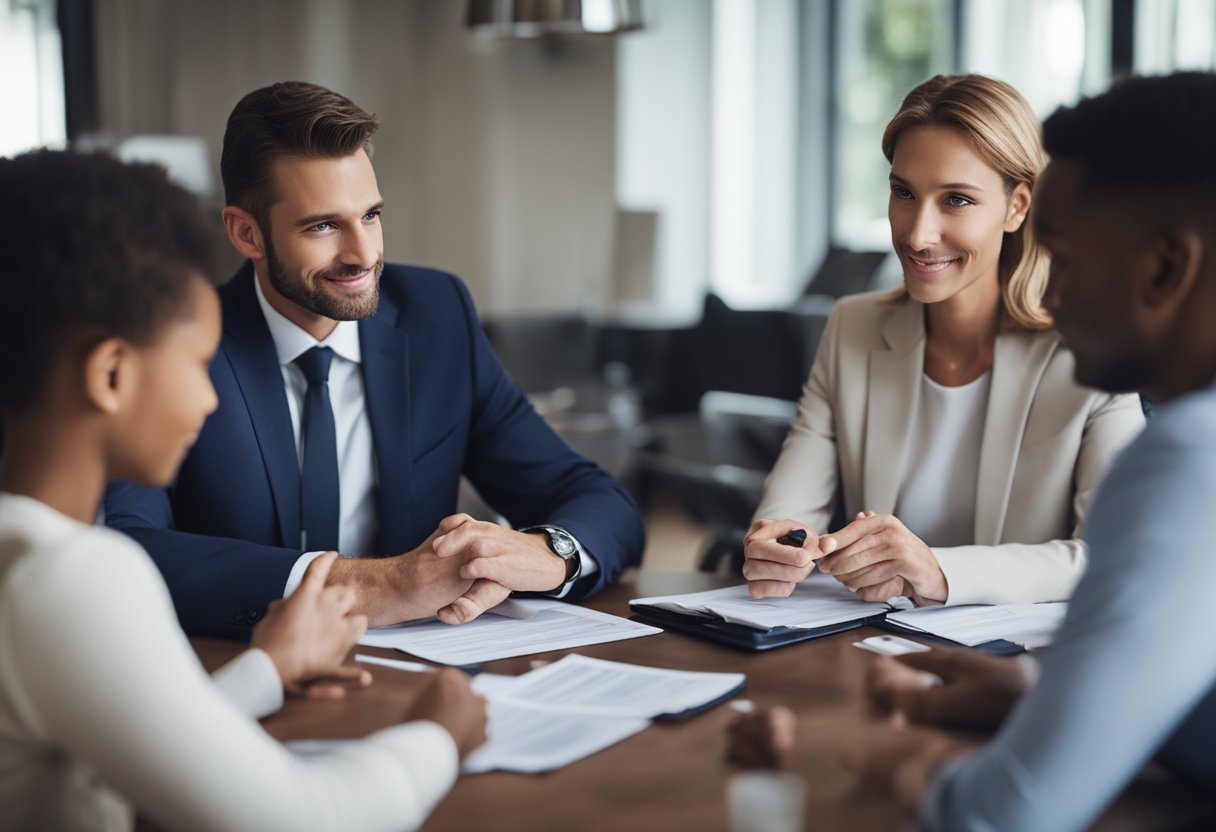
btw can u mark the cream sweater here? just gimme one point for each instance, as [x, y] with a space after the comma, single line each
[106, 712]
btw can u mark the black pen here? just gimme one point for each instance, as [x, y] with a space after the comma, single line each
[795, 538]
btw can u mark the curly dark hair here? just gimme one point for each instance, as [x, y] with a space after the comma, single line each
[1145, 133]
[92, 248]
[290, 118]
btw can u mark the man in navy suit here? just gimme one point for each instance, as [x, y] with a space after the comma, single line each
[416, 397]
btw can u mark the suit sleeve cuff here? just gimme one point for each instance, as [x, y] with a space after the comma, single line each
[965, 577]
[296, 575]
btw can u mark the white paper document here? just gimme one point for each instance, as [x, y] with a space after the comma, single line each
[536, 738]
[598, 686]
[818, 601]
[528, 739]
[514, 628]
[1030, 625]
[574, 707]
[571, 709]
[395, 664]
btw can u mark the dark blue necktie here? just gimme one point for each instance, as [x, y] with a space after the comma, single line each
[319, 473]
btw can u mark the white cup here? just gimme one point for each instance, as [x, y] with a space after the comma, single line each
[766, 801]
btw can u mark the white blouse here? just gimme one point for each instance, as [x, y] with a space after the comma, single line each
[941, 471]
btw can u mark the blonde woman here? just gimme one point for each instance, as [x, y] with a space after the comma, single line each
[945, 418]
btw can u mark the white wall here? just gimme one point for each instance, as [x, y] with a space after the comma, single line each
[554, 177]
[518, 163]
[811, 236]
[663, 145]
[495, 159]
[31, 62]
[721, 143]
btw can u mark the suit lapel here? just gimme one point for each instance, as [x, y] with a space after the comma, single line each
[386, 384]
[894, 394]
[1018, 362]
[255, 364]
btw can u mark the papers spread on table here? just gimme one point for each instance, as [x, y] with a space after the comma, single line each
[573, 708]
[513, 628]
[529, 739]
[1030, 625]
[819, 601]
[577, 706]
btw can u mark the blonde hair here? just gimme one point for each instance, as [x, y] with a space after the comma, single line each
[1003, 131]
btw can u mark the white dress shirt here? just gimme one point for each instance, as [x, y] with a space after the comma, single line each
[358, 522]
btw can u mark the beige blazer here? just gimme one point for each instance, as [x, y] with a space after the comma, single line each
[1047, 444]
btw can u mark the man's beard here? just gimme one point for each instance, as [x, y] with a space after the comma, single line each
[314, 298]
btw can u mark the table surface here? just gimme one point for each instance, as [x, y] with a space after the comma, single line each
[673, 775]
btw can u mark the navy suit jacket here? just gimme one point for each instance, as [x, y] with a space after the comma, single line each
[226, 533]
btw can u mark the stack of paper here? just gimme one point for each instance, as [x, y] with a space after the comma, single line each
[575, 707]
[513, 628]
[1030, 625]
[586, 684]
[531, 739]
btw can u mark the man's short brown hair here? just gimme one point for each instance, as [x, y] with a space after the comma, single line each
[290, 118]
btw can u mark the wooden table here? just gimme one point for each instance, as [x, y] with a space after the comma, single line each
[672, 775]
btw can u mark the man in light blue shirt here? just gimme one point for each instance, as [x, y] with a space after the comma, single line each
[1127, 211]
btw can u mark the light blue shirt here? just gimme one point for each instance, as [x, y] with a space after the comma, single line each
[1132, 672]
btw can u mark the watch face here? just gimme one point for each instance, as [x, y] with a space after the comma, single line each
[563, 544]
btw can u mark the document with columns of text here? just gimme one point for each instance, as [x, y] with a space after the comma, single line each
[513, 628]
[577, 706]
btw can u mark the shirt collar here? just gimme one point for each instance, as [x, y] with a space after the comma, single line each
[290, 342]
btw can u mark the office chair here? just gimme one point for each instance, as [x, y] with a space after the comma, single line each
[743, 438]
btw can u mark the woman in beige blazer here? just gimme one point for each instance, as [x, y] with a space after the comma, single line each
[950, 404]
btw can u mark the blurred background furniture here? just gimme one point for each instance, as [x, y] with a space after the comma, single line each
[743, 435]
[689, 419]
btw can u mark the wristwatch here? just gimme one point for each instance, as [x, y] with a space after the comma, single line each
[565, 547]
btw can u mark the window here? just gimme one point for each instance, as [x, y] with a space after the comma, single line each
[30, 56]
[883, 48]
[1069, 55]
[1052, 51]
[1174, 35]
[754, 160]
